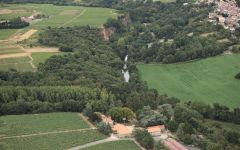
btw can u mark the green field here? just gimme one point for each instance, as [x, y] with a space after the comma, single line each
[60, 141]
[59, 16]
[41, 57]
[209, 80]
[6, 33]
[19, 63]
[69, 131]
[40, 123]
[22, 63]
[116, 145]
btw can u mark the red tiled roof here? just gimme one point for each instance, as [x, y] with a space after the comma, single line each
[121, 129]
[155, 128]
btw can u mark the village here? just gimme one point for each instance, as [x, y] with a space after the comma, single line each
[226, 13]
[158, 132]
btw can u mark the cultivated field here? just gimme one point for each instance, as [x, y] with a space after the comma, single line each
[53, 131]
[115, 145]
[13, 42]
[18, 63]
[59, 16]
[209, 80]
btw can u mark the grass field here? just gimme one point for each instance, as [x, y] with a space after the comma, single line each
[69, 129]
[60, 15]
[60, 141]
[40, 123]
[6, 33]
[116, 145]
[19, 63]
[23, 63]
[41, 57]
[208, 80]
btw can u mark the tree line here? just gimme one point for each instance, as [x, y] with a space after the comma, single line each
[15, 23]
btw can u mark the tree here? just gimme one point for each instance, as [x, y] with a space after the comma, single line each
[121, 114]
[232, 137]
[172, 125]
[144, 138]
[159, 146]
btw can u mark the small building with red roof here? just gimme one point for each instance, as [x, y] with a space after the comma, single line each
[156, 130]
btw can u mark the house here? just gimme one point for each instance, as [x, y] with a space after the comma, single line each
[122, 131]
[156, 130]
[221, 19]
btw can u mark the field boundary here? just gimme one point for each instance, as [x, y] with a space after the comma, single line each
[46, 133]
[87, 121]
[110, 139]
[73, 18]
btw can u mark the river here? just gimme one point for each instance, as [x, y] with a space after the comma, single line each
[125, 71]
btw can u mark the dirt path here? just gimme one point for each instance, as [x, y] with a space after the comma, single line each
[105, 35]
[14, 55]
[24, 36]
[93, 143]
[41, 49]
[46, 133]
[31, 62]
[73, 18]
[110, 139]
[86, 120]
[29, 51]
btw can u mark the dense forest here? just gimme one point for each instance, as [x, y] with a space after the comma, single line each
[15, 23]
[167, 33]
[92, 64]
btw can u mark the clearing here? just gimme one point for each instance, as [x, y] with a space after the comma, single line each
[53, 131]
[209, 80]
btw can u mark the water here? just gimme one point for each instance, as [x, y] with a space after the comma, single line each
[126, 58]
[125, 72]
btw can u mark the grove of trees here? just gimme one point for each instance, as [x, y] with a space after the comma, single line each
[15, 23]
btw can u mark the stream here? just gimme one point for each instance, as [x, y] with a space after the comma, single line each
[125, 72]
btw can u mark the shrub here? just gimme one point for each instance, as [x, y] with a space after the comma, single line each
[104, 128]
[96, 117]
[238, 76]
[144, 138]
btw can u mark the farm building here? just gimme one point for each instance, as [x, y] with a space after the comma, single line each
[122, 130]
[156, 130]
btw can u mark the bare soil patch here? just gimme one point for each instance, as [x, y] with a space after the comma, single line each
[41, 49]
[8, 11]
[228, 52]
[24, 36]
[69, 12]
[14, 55]
[224, 40]
[206, 34]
